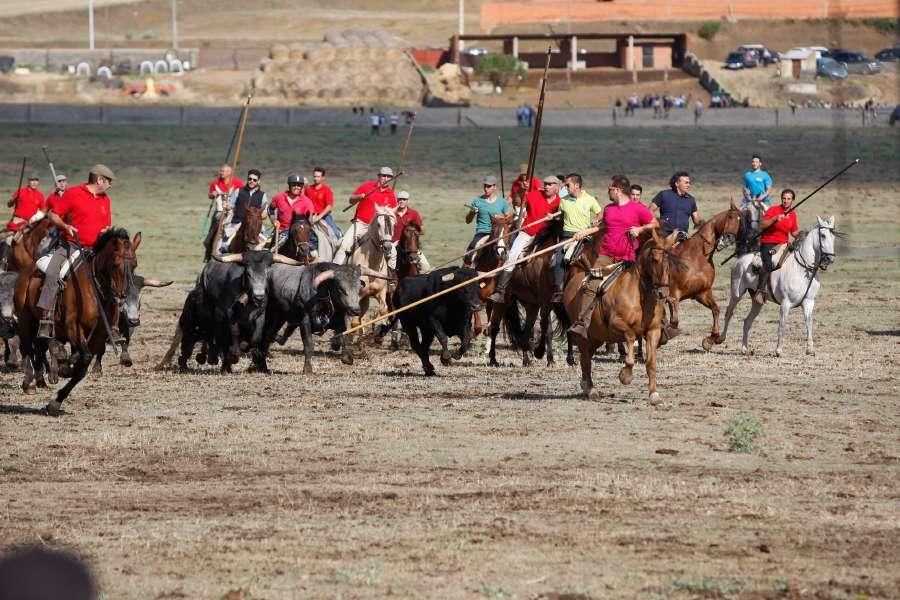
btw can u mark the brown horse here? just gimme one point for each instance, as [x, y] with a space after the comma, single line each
[629, 309]
[408, 248]
[532, 287]
[695, 278]
[247, 235]
[25, 245]
[488, 258]
[297, 246]
[78, 317]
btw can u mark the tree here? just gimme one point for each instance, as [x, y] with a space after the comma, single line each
[500, 68]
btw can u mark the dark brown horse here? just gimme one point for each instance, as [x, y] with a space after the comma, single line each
[488, 258]
[247, 235]
[78, 318]
[629, 309]
[532, 287]
[25, 245]
[297, 246]
[408, 248]
[696, 275]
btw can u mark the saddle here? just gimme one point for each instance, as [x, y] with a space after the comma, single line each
[779, 255]
[43, 263]
[604, 275]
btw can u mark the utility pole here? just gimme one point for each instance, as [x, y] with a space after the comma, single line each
[91, 24]
[175, 24]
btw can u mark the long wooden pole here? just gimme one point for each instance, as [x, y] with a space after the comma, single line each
[240, 139]
[480, 276]
[12, 201]
[500, 159]
[404, 150]
[234, 134]
[536, 136]
[492, 242]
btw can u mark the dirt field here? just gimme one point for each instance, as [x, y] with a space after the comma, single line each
[370, 480]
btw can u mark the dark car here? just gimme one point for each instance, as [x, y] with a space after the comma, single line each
[857, 62]
[7, 63]
[895, 115]
[888, 55]
[735, 61]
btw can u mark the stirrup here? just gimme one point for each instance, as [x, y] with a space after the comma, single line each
[46, 329]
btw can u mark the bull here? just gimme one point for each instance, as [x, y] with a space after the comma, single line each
[8, 326]
[442, 317]
[311, 299]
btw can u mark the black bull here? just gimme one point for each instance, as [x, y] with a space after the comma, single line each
[448, 315]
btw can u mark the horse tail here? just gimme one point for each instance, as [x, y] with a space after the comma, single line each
[562, 321]
[515, 330]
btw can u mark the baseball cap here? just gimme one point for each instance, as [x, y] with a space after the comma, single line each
[386, 171]
[33, 175]
[404, 195]
[490, 180]
[102, 171]
[61, 177]
[523, 168]
[551, 179]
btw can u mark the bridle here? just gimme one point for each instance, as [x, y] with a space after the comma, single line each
[825, 259]
[647, 281]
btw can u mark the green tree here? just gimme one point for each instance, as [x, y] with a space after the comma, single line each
[500, 68]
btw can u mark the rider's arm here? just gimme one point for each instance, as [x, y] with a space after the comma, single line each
[766, 223]
[57, 222]
[471, 214]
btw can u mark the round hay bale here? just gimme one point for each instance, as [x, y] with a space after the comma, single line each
[336, 37]
[393, 54]
[344, 53]
[279, 52]
[266, 65]
[326, 53]
[297, 51]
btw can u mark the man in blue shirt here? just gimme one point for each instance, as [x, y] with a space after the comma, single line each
[675, 207]
[757, 184]
[482, 208]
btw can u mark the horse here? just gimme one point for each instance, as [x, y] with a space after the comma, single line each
[27, 245]
[694, 280]
[488, 258]
[371, 252]
[297, 246]
[629, 309]
[408, 247]
[246, 237]
[97, 283]
[796, 283]
[747, 240]
[328, 242]
[532, 287]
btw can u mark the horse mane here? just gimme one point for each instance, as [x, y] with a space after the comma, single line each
[298, 217]
[113, 233]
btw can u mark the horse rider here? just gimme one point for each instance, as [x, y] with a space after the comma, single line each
[323, 200]
[625, 221]
[521, 186]
[482, 208]
[286, 204]
[219, 190]
[366, 197]
[676, 207]
[538, 204]
[59, 189]
[406, 215]
[776, 225]
[636, 192]
[28, 201]
[249, 195]
[82, 211]
[579, 211]
[757, 184]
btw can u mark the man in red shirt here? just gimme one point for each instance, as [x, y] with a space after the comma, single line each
[224, 184]
[406, 215]
[522, 186]
[366, 197]
[84, 211]
[62, 183]
[776, 225]
[323, 200]
[29, 202]
[539, 203]
[289, 203]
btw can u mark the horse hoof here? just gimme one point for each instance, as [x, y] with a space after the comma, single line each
[41, 383]
[625, 375]
[335, 344]
[745, 350]
[124, 360]
[593, 395]
[347, 358]
[29, 390]
[445, 359]
[429, 372]
[707, 344]
[307, 370]
[810, 352]
[720, 339]
[53, 407]
[654, 399]
[201, 359]
[778, 352]
[570, 360]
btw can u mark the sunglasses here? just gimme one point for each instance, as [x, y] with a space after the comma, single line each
[487, 185]
[253, 179]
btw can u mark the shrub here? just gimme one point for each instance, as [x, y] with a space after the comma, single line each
[742, 431]
[883, 24]
[499, 68]
[709, 29]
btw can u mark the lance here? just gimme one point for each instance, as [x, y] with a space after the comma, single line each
[239, 134]
[50, 163]
[797, 205]
[372, 191]
[240, 137]
[480, 276]
[500, 159]
[234, 134]
[404, 150]
[492, 242]
[536, 135]
[12, 201]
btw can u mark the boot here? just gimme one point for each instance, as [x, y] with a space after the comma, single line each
[500, 291]
[45, 329]
[587, 300]
[763, 282]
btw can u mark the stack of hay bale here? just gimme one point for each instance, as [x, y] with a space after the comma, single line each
[447, 86]
[356, 67]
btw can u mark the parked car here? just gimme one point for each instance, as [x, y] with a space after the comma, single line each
[895, 115]
[763, 54]
[830, 68]
[821, 51]
[888, 55]
[475, 51]
[735, 61]
[857, 62]
[7, 63]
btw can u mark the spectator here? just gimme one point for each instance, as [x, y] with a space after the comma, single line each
[376, 124]
[698, 112]
[395, 120]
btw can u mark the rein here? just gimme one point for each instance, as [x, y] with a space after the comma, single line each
[811, 271]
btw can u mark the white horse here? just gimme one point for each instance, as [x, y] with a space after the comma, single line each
[795, 283]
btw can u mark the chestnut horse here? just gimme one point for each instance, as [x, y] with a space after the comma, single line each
[25, 248]
[696, 275]
[629, 309]
[488, 258]
[297, 245]
[78, 319]
[247, 235]
[408, 248]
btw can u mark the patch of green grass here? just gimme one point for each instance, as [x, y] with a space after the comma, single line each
[742, 432]
[883, 24]
[709, 29]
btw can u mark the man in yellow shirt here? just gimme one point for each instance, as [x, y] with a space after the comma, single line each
[579, 211]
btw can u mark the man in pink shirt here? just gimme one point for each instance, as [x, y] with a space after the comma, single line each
[285, 205]
[624, 222]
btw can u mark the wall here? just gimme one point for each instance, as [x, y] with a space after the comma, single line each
[494, 14]
[56, 59]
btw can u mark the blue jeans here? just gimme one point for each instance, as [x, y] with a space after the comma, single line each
[330, 220]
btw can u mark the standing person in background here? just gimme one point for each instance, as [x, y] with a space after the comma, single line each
[757, 184]
[395, 119]
[376, 124]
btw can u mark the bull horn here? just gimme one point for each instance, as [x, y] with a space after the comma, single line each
[281, 258]
[228, 258]
[323, 277]
[149, 282]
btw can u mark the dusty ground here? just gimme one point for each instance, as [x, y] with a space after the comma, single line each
[371, 481]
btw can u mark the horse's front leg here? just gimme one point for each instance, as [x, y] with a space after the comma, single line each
[650, 364]
[492, 331]
[748, 323]
[531, 314]
[673, 301]
[782, 323]
[586, 354]
[79, 370]
[808, 305]
[708, 300]
[626, 373]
